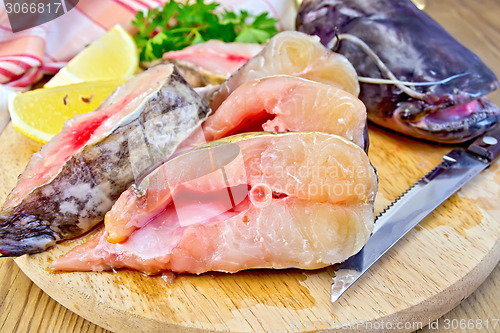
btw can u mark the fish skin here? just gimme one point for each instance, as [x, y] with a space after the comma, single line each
[89, 182]
[194, 75]
[415, 48]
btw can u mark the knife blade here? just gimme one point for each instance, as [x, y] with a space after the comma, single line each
[457, 168]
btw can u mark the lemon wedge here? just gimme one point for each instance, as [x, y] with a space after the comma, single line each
[77, 88]
[113, 56]
[40, 114]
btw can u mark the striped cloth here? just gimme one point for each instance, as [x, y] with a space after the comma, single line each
[27, 55]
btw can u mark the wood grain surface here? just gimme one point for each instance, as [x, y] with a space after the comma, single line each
[424, 276]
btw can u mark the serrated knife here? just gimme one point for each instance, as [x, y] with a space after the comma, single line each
[457, 168]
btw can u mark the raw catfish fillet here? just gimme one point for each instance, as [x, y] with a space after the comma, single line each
[278, 104]
[265, 200]
[209, 63]
[74, 179]
[293, 53]
[216, 56]
[415, 48]
[285, 103]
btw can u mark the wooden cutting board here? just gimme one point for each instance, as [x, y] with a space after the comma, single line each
[425, 275]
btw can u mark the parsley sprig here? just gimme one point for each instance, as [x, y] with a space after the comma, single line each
[177, 25]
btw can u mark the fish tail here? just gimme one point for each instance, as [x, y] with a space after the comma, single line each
[24, 235]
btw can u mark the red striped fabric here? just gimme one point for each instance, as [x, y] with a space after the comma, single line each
[27, 55]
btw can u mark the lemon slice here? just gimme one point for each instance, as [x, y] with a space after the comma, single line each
[113, 56]
[40, 114]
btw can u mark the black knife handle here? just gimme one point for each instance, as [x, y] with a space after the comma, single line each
[487, 146]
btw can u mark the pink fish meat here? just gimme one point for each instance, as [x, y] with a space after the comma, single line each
[293, 53]
[263, 201]
[216, 56]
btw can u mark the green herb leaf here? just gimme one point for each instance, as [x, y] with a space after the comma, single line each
[252, 35]
[156, 46]
[197, 38]
[177, 25]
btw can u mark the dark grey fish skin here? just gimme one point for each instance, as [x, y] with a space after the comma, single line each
[88, 184]
[417, 49]
[194, 75]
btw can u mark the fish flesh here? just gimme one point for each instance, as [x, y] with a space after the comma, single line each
[69, 185]
[278, 104]
[285, 103]
[293, 53]
[216, 56]
[209, 63]
[449, 107]
[265, 200]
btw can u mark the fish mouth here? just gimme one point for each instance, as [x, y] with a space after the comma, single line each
[448, 124]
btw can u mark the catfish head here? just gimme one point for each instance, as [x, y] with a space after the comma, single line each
[436, 85]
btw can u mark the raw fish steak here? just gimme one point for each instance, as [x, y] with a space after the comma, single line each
[446, 103]
[264, 200]
[76, 177]
[215, 56]
[272, 104]
[209, 63]
[293, 53]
